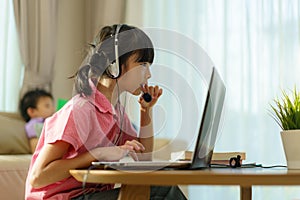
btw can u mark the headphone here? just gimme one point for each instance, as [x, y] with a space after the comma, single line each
[235, 162]
[114, 70]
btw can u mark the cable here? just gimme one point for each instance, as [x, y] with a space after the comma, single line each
[250, 165]
[122, 114]
[236, 162]
[116, 141]
[84, 179]
[273, 166]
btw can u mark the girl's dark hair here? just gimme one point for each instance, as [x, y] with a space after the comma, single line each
[30, 100]
[131, 41]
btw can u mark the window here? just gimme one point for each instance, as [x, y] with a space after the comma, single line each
[255, 46]
[10, 59]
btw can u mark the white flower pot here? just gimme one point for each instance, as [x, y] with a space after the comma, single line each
[290, 140]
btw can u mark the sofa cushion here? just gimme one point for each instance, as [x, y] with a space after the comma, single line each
[13, 173]
[13, 139]
[15, 162]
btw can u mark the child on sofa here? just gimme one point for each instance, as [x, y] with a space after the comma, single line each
[35, 106]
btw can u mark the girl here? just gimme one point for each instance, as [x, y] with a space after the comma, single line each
[93, 126]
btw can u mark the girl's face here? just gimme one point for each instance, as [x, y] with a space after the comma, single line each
[134, 75]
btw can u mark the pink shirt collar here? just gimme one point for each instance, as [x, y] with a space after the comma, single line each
[99, 100]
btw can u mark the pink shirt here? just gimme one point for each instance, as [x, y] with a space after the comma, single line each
[84, 123]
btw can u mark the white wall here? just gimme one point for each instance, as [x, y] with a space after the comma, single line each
[70, 45]
[79, 20]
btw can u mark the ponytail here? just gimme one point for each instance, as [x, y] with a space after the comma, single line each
[82, 85]
[92, 71]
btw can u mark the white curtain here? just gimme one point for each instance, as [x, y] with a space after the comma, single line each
[37, 32]
[10, 59]
[254, 44]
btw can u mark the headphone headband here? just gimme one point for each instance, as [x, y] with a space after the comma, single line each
[114, 70]
[117, 48]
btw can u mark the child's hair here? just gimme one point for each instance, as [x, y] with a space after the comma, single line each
[30, 100]
[131, 41]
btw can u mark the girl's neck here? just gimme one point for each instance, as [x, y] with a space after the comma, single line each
[109, 88]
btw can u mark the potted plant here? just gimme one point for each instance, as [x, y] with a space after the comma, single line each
[286, 113]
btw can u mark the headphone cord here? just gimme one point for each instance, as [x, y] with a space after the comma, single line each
[121, 114]
[84, 181]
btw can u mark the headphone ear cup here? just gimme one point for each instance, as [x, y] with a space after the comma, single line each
[113, 71]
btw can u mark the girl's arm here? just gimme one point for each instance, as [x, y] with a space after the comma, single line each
[146, 124]
[146, 134]
[50, 166]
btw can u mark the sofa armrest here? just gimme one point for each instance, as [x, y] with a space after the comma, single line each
[13, 173]
[13, 139]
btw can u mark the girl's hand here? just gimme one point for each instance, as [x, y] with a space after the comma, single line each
[131, 147]
[114, 153]
[155, 93]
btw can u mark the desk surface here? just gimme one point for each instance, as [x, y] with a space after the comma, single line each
[239, 176]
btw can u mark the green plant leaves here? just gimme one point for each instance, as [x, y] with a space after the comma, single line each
[286, 112]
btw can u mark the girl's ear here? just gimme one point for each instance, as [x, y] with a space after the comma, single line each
[122, 70]
[31, 112]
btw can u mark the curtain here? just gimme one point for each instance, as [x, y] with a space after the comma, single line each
[37, 29]
[255, 47]
[10, 60]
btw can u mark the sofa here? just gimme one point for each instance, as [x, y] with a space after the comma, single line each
[15, 156]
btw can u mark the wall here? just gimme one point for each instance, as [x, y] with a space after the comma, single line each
[79, 20]
[70, 45]
[134, 13]
[102, 13]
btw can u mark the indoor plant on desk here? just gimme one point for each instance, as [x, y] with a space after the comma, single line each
[287, 115]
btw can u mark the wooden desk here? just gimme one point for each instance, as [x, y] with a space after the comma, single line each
[137, 183]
